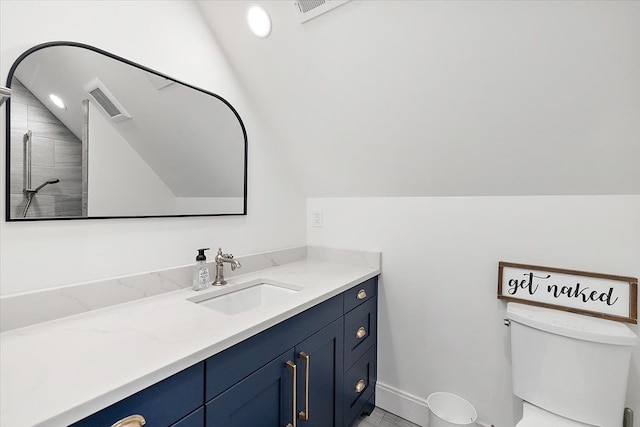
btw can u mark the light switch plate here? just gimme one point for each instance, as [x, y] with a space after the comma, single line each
[316, 218]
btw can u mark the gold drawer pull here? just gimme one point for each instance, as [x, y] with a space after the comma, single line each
[360, 386]
[362, 294]
[304, 415]
[131, 421]
[361, 332]
[294, 370]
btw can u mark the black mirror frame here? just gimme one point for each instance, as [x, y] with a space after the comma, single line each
[133, 64]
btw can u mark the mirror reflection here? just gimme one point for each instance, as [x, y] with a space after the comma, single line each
[92, 135]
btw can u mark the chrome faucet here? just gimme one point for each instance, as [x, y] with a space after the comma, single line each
[220, 259]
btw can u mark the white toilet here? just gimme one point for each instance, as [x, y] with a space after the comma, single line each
[570, 369]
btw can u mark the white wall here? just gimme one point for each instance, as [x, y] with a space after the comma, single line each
[120, 182]
[171, 37]
[440, 324]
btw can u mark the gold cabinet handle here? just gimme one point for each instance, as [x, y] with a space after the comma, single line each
[130, 421]
[304, 415]
[360, 386]
[362, 294]
[361, 332]
[293, 368]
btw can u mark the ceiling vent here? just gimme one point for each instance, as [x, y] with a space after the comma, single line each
[105, 99]
[309, 9]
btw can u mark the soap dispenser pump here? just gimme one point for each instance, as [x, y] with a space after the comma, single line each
[201, 271]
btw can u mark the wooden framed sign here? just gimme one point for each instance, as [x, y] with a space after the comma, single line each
[599, 295]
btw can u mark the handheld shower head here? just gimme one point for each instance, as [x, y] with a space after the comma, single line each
[51, 181]
[30, 192]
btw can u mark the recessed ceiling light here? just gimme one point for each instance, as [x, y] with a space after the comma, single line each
[259, 20]
[57, 101]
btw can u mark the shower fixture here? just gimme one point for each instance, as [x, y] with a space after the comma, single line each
[38, 188]
[28, 191]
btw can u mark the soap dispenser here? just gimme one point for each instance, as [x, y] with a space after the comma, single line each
[201, 272]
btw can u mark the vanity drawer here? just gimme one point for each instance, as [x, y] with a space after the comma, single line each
[359, 294]
[359, 386]
[161, 404]
[360, 331]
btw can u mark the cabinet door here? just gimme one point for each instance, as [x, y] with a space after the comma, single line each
[264, 398]
[320, 363]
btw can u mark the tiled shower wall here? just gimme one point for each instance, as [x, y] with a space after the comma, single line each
[55, 153]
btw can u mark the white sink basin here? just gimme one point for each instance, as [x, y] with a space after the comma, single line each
[245, 297]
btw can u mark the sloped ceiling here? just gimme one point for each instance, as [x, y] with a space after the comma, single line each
[429, 98]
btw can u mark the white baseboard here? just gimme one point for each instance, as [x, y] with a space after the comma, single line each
[402, 404]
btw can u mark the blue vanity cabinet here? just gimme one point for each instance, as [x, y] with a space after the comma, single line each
[310, 373]
[317, 367]
[264, 398]
[304, 379]
[360, 349]
[166, 403]
[333, 349]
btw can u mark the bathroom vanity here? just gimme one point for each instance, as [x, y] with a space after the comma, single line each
[305, 359]
[324, 358]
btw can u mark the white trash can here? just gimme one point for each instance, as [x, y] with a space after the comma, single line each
[447, 409]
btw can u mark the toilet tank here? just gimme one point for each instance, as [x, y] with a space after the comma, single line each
[569, 364]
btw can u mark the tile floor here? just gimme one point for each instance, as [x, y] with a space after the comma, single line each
[381, 418]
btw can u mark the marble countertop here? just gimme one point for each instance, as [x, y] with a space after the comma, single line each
[58, 372]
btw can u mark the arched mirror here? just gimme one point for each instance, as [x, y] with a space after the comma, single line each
[93, 135]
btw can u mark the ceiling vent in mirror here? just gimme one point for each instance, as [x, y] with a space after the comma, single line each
[106, 101]
[309, 9]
